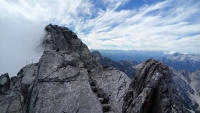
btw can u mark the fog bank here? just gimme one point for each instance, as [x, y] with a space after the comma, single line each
[19, 39]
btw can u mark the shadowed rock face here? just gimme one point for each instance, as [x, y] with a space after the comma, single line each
[152, 91]
[4, 83]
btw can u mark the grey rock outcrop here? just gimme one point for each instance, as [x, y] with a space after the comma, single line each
[68, 79]
[16, 98]
[187, 85]
[4, 83]
[65, 40]
[27, 77]
[62, 88]
[152, 91]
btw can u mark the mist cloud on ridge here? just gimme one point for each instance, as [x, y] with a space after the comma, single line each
[18, 41]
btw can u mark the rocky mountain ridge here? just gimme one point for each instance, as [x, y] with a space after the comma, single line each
[152, 90]
[187, 83]
[68, 79]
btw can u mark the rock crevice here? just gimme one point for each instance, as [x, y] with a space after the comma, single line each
[102, 97]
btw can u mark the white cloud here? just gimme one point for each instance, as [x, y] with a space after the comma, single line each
[163, 26]
[19, 39]
[168, 25]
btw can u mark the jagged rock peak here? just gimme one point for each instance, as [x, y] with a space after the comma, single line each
[97, 55]
[62, 39]
[152, 91]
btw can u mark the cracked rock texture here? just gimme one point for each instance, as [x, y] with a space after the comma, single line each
[62, 88]
[152, 91]
[68, 79]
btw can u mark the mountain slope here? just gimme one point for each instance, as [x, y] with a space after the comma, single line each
[187, 84]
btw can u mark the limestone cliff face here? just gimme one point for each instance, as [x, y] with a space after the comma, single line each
[152, 91]
[68, 79]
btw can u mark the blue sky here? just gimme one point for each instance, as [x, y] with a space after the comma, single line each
[166, 25]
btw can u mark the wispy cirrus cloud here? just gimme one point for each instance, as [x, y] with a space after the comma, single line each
[161, 26]
[166, 25]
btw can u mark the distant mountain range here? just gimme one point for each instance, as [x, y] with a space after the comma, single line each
[183, 61]
[176, 60]
[138, 56]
